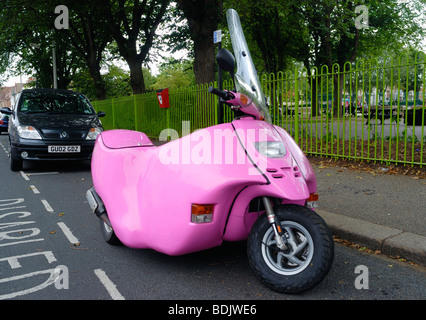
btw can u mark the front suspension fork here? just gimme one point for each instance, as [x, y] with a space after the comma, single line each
[275, 223]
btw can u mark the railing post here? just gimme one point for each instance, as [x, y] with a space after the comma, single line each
[168, 121]
[296, 106]
[216, 107]
[113, 113]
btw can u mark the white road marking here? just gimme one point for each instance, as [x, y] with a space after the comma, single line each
[20, 242]
[14, 261]
[24, 175]
[4, 148]
[34, 189]
[71, 238]
[52, 278]
[109, 285]
[47, 205]
[41, 173]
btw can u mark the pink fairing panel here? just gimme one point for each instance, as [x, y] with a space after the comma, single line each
[288, 175]
[148, 192]
[290, 178]
[300, 158]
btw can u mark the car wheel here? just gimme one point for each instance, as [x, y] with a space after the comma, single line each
[15, 164]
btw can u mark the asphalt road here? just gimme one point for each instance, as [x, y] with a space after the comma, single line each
[46, 226]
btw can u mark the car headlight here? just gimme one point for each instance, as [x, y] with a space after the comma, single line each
[28, 132]
[271, 149]
[93, 133]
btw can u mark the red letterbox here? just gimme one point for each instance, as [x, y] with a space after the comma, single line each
[163, 98]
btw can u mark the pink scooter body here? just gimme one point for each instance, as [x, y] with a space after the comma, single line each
[148, 190]
[247, 179]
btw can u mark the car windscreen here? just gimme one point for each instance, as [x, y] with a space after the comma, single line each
[54, 102]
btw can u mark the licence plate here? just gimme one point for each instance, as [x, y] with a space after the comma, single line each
[64, 149]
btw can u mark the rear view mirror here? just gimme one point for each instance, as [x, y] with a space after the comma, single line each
[226, 61]
[6, 111]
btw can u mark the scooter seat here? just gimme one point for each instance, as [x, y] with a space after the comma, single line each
[120, 138]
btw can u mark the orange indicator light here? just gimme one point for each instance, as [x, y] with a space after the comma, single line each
[201, 213]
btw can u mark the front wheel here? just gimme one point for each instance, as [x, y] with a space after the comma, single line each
[15, 164]
[307, 258]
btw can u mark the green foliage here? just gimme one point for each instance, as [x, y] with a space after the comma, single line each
[276, 35]
[116, 79]
[174, 74]
[4, 63]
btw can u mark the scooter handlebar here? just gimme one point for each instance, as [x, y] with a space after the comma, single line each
[221, 93]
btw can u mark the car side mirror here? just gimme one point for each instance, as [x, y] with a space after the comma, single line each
[101, 114]
[6, 111]
[226, 61]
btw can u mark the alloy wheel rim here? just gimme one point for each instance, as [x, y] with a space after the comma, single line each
[297, 257]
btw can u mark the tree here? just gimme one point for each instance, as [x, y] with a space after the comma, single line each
[276, 33]
[203, 18]
[92, 26]
[174, 74]
[88, 37]
[37, 56]
[335, 38]
[116, 81]
[325, 33]
[33, 38]
[133, 25]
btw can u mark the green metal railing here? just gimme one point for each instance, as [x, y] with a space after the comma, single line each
[372, 110]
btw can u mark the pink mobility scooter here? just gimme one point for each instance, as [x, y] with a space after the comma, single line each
[244, 180]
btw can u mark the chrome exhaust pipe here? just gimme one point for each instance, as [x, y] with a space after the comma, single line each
[97, 205]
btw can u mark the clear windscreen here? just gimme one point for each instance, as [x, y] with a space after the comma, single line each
[246, 79]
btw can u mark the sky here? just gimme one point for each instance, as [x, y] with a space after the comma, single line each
[12, 80]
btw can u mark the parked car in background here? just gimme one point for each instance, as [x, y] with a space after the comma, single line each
[4, 122]
[51, 124]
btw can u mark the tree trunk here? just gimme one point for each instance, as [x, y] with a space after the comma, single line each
[204, 63]
[130, 24]
[137, 81]
[95, 73]
[99, 83]
[203, 17]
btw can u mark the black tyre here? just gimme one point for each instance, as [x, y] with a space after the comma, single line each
[15, 164]
[307, 259]
[109, 234]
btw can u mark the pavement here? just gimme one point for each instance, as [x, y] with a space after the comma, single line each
[375, 208]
